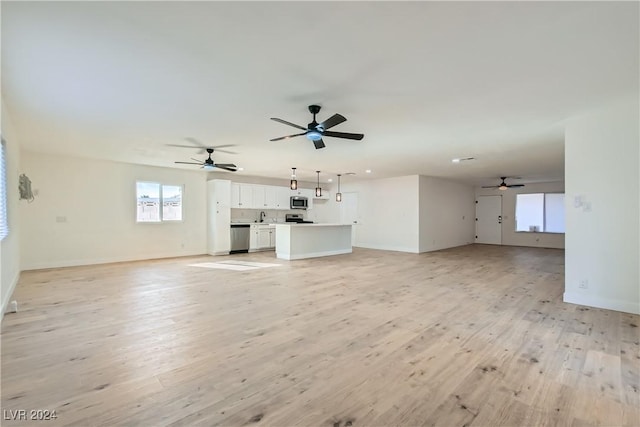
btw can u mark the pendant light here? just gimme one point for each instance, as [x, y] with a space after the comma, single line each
[318, 189]
[338, 194]
[294, 181]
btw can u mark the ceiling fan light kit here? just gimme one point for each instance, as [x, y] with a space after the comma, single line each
[316, 131]
[503, 185]
[209, 164]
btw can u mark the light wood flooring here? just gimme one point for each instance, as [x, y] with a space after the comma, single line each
[471, 336]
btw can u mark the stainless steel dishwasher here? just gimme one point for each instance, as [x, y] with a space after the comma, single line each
[240, 235]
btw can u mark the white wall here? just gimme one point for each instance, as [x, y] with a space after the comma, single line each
[387, 213]
[10, 246]
[447, 214]
[97, 199]
[509, 235]
[602, 238]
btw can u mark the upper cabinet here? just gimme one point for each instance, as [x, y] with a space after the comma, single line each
[242, 196]
[282, 198]
[257, 196]
[265, 197]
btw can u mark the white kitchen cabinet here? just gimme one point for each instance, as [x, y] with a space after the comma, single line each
[272, 237]
[253, 238]
[264, 197]
[263, 237]
[282, 198]
[242, 196]
[218, 216]
[270, 197]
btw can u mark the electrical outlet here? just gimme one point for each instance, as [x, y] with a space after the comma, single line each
[584, 284]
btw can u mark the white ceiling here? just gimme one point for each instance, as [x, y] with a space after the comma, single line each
[424, 81]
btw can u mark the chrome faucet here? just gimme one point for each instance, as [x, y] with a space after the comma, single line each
[262, 215]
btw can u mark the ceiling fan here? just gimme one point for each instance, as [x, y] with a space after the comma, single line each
[503, 185]
[315, 131]
[209, 164]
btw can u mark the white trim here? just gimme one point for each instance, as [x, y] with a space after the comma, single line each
[387, 248]
[7, 297]
[77, 263]
[314, 254]
[610, 304]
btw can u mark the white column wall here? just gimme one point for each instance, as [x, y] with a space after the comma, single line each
[447, 214]
[387, 213]
[602, 208]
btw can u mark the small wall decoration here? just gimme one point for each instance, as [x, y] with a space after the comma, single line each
[24, 186]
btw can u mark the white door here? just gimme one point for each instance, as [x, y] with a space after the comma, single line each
[489, 220]
[349, 213]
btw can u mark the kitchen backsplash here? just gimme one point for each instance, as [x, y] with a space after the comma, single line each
[271, 216]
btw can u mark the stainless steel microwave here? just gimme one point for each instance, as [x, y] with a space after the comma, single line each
[298, 202]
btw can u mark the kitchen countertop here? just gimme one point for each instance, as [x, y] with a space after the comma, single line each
[255, 223]
[317, 224]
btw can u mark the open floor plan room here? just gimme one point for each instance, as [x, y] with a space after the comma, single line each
[476, 335]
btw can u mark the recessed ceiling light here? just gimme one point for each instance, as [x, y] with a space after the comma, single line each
[368, 171]
[240, 169]
[330, 180]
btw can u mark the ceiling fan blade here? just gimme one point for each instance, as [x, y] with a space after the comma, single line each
[319, 143]
[198, 144]
[226, 165]
[181, 146]
[195, 142]
[226, 168]
[217, 150]
[288, 136]
[288, 123]
[190, 163]
[345, 135]
[332, 121]
[515, 185]
[490, 186]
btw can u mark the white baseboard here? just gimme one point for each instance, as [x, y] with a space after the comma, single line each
[314, 254]
[108, 260]
[7, 296]
[609, 304]
[386, 248]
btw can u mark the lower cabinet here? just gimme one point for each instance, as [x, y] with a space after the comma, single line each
[263, 237]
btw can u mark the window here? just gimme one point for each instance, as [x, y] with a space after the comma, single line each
[4, 223]
[540, 212]
[157, 202]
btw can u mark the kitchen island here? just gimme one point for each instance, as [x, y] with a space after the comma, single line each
[299, 241]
